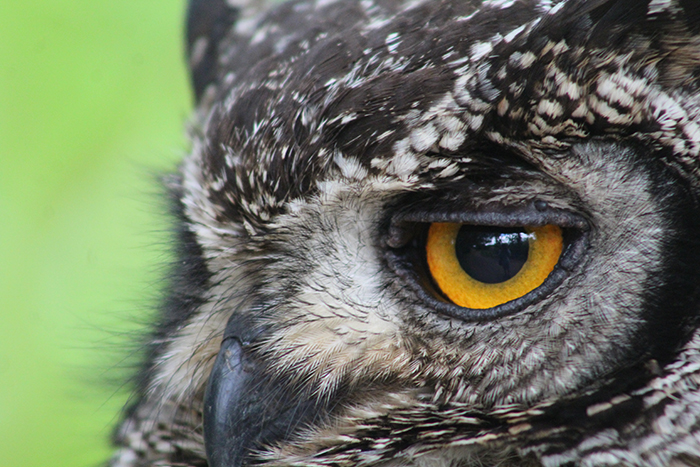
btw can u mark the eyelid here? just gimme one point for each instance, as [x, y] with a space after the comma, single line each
[512, 216]
[530, 214]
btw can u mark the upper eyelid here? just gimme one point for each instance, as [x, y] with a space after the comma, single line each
[401, 225]
[500, 216]
[531, 214]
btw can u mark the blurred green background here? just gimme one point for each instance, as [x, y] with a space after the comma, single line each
[93, 100]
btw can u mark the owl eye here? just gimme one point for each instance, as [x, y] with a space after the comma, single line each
[486, 262]
[481, 267]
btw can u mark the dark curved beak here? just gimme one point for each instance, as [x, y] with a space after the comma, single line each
[245, 409]
[226, 431]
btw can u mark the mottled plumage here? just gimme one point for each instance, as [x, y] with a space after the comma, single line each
[302, 329]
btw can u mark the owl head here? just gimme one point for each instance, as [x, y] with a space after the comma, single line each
[434, 233]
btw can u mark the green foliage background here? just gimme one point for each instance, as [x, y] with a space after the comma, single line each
[93, 100]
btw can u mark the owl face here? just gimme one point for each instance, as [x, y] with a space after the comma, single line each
[438, 233]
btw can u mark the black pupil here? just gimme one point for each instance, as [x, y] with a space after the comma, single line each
[491, 254]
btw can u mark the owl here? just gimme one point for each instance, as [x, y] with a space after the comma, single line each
[431, 233]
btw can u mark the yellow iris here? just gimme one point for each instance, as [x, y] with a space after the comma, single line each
[545, 245]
